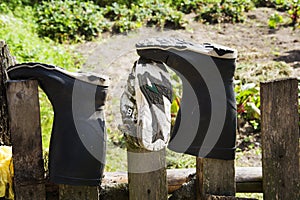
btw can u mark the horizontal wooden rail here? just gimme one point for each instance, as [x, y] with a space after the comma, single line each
[248, 179]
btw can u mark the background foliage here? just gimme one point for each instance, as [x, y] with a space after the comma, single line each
[69, 20]
[73, 21]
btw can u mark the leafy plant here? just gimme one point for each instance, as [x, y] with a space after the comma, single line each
[70, 20]
[153, 12]
[162, 14]
[187, 6]
[7, 6]
[123, 18]
[290, 7]
[294, 13]
[104, 3]
[219, 11]
[178, 160]
[280, 5]
[176, 95]
[248, 104]
[274, 20]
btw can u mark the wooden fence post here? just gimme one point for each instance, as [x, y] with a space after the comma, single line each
[215, 177]
[70, 192]
[5, 61]
[280, 139]
[24, 116]
[150, 184]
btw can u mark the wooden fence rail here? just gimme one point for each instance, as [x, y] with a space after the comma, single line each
[248, 179]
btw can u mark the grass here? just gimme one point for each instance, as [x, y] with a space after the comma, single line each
[116, 158]
[47, 116]
[258, 196]
[247, 72]
[26, 46]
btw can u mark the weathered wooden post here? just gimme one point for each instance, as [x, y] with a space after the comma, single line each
[24, 120]
[146, 174]
[280, 139]
[5, 60]
[215, 177]
[68, 192]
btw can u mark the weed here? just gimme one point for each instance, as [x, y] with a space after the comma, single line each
[274, 20]
[291, 7]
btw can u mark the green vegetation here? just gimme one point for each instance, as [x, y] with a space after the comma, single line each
[69, 20]
[248, 103]
[274, 20]
[74, 21]
[223, 11]
[290, 8]
[20, 34]
[27, 46]
[247, 87]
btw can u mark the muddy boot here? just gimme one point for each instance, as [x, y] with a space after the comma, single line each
[206, 123]
[78, 139]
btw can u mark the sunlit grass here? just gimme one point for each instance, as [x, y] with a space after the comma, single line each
[26, 46]
[258, 196]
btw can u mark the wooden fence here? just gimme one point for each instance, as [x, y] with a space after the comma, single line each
[215, 179]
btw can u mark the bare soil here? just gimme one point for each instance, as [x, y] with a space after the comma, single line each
[114, 56]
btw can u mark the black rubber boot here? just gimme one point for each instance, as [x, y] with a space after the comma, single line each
[78, 139]
[206, 123]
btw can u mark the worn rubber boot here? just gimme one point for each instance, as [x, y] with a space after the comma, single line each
[146, 106]
[78, 139]
[206, 123]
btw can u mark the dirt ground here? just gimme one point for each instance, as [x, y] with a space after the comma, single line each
[114, 55]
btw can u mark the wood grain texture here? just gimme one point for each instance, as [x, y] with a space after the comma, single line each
[181, 184]
[248, 179]
[146, 174]
[215, 177]
[69, 192]
[24, 117]
[280, 139]
[5, 61]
